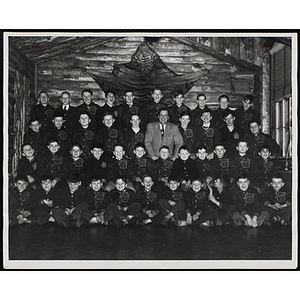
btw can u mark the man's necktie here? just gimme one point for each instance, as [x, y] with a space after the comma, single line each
[162, 130]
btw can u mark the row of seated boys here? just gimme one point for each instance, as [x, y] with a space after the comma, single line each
[141, 191]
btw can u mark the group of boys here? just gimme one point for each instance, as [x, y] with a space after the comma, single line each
[92, 165]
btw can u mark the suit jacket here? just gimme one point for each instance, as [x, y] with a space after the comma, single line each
[171, 138]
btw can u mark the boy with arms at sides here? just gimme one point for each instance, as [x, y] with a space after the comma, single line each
[178, 108]
[277, 201]
[85, 135]
[69, 113]
[164, 165]
[172, 204]
[245, 198]
[245, 114]
[256, 139]
[97, 165]
[98, 199]
[43, 111]
[123, 207]
[134, 135]
[197, 112]
[221, 164]
[35, 137]
[110, 135]
[27, 165]
[188, 133]
[203, 164]
[119, 166]
[218, 114]
[152, 109]
[148, 198]
[46, 198]
[73, 209]
[184, 168]
[230, 133]
[57, 131]
[21, 202]
[207, 133]
[141, 165]
[51, 163]
[74, 162]
[243, 160]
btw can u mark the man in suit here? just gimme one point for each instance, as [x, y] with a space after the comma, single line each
[162, 133]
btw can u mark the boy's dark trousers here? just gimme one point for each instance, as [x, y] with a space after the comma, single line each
[133, 210]
[285, 213]
[166, 208]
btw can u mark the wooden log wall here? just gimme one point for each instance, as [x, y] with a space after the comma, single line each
[65, 72]
[21, 98]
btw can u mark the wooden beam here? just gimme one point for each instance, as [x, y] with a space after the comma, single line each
[223, 57]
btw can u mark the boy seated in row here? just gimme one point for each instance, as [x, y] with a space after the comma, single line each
[277, 201]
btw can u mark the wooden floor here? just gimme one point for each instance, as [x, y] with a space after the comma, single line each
[149, 242]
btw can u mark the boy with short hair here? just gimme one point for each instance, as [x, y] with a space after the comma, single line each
[256, 139]
[141, 165]
[98, 199]
[119, 166]
[73, 209]
[246, 200]
[245, 114]
[85, 135]
[46, 198]
[123, 206]
[221, 110]
[152, 109]
[197, 112]
[135, 134]
[27, 165]
[148, 198]
[51, 162]
[178, 107]
[43, 111]
[97, 164]
[21, 201]
[207, 133]
[202, 163]
[172, 204]
[277, 201]
[184, 168]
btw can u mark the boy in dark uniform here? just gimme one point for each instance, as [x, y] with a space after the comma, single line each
[246, 200]
[218, 114]
[35, 137]
[202, 163]
[188, 133]
[134, 135]
[46, 198]
[123, 206]
[85, 135]
[98, 199]
[97, 165]
[172, 204]
[207, 133]
[51, 162]
[277, 201]
[130, 107]
[21, 202]
[43, 111]
[230, 133]
[110, 135]
[164, 165]
[256, 139]
[141, 165]
[148, 198]
[119, 166]
[27, 165]
[69, 113]
[178, 108]
[245, 114]
[184, 168]
[73, 209]
[152, 109]
[89, 106]
[197, 112]
[57, 131]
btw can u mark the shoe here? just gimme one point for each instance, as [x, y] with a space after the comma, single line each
[117, 223]
[268, 223]
[27, 221]
[164, 222]
[181, 223]
[51, 219]
[148, 221]
[78, 223]
[218, 222]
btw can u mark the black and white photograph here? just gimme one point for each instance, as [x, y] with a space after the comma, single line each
[150, 150]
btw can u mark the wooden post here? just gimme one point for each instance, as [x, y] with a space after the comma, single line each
[266, 91]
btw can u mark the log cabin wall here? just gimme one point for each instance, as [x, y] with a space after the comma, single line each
[21, 98]
[65, 72]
